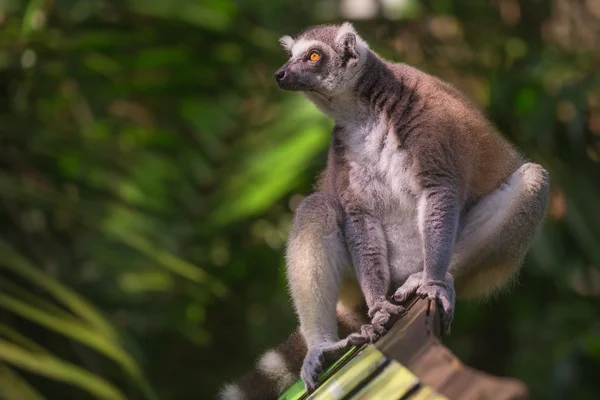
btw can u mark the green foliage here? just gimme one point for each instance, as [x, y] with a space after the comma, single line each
[149, 168]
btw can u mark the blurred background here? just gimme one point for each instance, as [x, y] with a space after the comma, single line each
[149, 169]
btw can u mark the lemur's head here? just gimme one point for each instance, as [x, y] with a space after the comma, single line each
[323, 59]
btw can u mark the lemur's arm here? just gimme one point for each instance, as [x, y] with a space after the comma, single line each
[368, 248]
[438, 173]
[438, 222]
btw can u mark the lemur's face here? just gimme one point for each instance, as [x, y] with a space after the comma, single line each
[323, 59]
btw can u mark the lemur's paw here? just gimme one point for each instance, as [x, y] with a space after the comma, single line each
[367, 334]
[317, 358]
[440, 291]
[443, 293]
[408, 288]
[381, 312]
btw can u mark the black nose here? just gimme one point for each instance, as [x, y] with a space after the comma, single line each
[279, 75]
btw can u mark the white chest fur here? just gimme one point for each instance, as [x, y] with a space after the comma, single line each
[380, 177]
[379, 170]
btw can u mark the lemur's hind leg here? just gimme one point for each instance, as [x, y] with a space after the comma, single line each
[317, 262]
[498, 231]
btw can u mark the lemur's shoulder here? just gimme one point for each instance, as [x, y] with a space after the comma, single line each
[455, 131]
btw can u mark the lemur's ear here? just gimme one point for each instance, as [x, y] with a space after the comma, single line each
[346, 42]
[287, 43]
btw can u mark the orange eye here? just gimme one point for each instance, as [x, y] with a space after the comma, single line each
[314, 56]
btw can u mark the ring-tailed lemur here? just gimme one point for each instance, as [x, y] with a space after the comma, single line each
[420, 193]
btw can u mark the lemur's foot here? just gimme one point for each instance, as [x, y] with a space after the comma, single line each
[317, 358]
[381, 312]
[367, 334]
[440, 291]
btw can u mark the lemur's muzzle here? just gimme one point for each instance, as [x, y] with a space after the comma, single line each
[286, 77]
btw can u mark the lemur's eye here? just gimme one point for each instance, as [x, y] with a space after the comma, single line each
[314, 56]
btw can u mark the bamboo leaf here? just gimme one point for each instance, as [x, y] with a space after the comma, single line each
[48, 315]
[12, 260]
[54, 368]
[35, 300]
[14, 387]
[173, 263]
[73, 330]
[20, 339]
[169, 261]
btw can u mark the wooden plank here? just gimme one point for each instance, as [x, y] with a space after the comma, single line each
[408, 363]
[414, 342]
[391, 383]
[295, 392]
[412, 334]
[298, 391]
[351, 375]
[435, 365]
[426, 393]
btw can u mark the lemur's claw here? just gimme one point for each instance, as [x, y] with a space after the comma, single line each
[408, 288]
[380, 313]
[384, 307]
[367, 334]
[317, 358]
[440, 291]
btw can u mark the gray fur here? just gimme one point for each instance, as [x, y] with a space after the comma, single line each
[317, 239]
[420, 194]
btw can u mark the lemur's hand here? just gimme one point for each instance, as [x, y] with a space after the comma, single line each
[367, 334]
[317, 358]
[440, 291]
[380, 314]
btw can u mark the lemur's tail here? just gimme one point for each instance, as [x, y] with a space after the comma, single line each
[279, 368]
[276, 369]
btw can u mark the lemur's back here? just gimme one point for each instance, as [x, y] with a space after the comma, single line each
[485, 157]
[443, 114]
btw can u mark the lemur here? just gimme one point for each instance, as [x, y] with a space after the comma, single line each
[420, 195]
